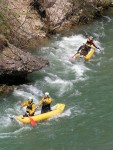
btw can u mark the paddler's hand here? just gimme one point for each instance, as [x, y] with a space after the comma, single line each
[98, 48]
[27, 114]
[20, 102]
[37, 107]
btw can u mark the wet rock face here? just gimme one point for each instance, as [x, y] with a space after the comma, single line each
[62, 14]
[21, 24]
[55, 11]
[4, 89]
[15, 64]
[27, 21]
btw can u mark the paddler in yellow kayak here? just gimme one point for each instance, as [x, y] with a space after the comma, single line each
[30, 107]
[45, 103]
[83, 50]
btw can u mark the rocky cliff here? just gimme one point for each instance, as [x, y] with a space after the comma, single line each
[15, 64]
[26, 22]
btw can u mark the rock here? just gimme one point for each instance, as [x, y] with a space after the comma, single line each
[4, 89]
[28, 21]
[55, 10]
[15, 64]
[22, 24]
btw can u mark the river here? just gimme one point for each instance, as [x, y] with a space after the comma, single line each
[85, 88]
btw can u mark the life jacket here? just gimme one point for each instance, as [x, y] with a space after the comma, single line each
[29, 106]
[85, 47]
[47, 101]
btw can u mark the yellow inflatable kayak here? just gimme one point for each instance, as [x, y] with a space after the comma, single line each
[57, 109]
[90, 53]
[88, 56]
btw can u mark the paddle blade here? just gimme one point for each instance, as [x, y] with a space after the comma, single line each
[73, 56]
[33, 123]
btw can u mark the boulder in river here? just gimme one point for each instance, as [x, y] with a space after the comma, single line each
[15, 64]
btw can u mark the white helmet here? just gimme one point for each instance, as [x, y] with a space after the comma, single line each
[30, 98]
[46, 93]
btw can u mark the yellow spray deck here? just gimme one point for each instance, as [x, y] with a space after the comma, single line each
[58, 109]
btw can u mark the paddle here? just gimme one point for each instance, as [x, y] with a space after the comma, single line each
[76, 56]
[73, 56]
[99, 49]
[33, 123]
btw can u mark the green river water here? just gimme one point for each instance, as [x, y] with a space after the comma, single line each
[85, 88]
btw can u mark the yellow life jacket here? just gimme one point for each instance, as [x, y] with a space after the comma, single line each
[45, 101]
[30, 107]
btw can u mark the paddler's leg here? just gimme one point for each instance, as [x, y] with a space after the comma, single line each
[26, 114]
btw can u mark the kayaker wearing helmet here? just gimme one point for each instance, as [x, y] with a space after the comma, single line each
[90, 42]
[30, 107]
[83, 50]
[45, 103]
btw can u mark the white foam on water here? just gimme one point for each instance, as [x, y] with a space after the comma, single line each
[28, 91]
[52, 75]
[68, 45]
[79, 69]
[59, 84]
[21, 93]
[16, 132]
[108, 18]
[58, 81]
[32, 89]
[68, 113]
[74, 93]
[5, 121]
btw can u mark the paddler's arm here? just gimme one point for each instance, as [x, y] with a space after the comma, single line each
[95, 45]
[40, 103]
[79, 49]
[49, 100]
[23, 103]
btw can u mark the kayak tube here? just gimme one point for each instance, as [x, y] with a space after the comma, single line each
[57, 109]
[88, 56]
[90, 53]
